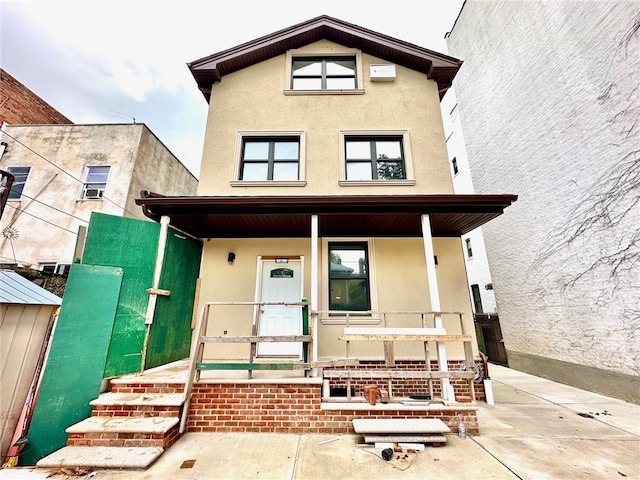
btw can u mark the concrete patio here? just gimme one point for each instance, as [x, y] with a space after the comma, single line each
[537, 429]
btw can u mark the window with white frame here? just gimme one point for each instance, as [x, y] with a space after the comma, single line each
[324, 71]
[20, 174]
[95, 183]
[270, 158]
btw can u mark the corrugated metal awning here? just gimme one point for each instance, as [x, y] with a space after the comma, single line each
[14, 288]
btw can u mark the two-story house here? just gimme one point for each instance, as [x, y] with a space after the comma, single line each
[325, 177]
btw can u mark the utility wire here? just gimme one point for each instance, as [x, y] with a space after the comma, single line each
[62, 170]
[46, 221]
[50, 206]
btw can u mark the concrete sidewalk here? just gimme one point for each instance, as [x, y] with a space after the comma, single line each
[537, 429]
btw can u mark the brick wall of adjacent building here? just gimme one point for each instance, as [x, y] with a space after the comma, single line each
[20, 106]
[549, 102]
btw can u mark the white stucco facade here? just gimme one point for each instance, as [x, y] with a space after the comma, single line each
[476, 261]
[549, 101]
[52, 209]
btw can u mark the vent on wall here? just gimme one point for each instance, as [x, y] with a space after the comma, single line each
[382, 73]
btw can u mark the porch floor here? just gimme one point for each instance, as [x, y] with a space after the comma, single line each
[176, 372]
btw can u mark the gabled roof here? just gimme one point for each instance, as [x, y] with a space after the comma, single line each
[439, 67]
[14, 288]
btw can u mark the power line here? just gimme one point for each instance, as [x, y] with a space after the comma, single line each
[62, 170]
[50, 206]
[46, 221]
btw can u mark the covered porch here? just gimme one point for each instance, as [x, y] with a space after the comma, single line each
[335, 378]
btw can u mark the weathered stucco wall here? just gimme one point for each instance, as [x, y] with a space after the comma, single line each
[51, 210]
[549, 102]
[253, 100]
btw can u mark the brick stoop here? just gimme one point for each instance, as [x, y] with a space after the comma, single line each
[127, 429]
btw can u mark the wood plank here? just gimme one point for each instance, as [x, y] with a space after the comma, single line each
[256, 339]
[395, 374]
[405, 338]
[389, 358]
[393, 331]
[399, 438]
[399, 425]
[251, 366]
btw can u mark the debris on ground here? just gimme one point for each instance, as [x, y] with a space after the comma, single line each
[73, 472]
[188, 463]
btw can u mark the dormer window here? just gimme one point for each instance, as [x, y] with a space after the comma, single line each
[323, 73]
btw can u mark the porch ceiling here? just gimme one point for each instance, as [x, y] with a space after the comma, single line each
[358, 215]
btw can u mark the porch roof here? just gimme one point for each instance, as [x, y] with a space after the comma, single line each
[355, 215]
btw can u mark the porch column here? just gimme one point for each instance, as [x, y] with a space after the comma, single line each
[434, 297]
[315, 272]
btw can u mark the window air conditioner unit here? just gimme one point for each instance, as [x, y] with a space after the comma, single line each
[93, 193]
[382, 73]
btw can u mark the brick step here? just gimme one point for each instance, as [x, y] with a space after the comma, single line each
[124, 432]
[137, 404]
[101, 457]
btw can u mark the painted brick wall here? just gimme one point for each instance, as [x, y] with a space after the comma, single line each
[19, 105]
[549, 101]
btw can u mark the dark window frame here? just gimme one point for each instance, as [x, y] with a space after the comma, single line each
[363, 276]
[323, 75]
[270, 160]
[454, 164]
[469, 249]
[18, 184]
[373, 159]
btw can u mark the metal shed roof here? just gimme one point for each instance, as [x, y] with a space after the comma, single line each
[14, 288]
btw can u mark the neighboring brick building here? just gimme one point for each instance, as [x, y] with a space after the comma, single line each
[548, 98]
[19, 105]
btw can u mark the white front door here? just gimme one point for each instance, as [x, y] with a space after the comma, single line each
[281, 282]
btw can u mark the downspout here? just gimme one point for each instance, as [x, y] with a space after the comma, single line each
[154, 291]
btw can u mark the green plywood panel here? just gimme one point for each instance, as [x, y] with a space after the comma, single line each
[170, 337]
[132, 245]
[77, 358]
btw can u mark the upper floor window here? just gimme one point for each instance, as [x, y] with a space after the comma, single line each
[270, 159]
[469, 249]
[454, 165]
[323, 73]
[20, 174]
[374, 158]
[95, 182]
[275, 158]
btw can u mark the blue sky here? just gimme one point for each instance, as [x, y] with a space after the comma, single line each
[115, 61]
